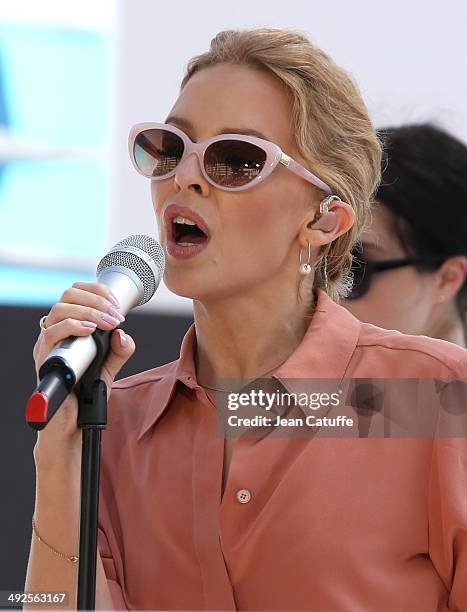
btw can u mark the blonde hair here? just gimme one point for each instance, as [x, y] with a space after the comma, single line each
[332, 128]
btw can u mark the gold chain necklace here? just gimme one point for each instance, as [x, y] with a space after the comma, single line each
[214, 389]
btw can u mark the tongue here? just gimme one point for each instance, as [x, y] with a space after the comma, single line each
[191, 237]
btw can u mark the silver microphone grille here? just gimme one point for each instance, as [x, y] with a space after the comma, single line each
[142, 255]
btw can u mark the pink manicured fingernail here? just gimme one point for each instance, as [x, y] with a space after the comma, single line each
[116, 315]
[123, 338]
[113, 300]
[110, 320]
[88, 324]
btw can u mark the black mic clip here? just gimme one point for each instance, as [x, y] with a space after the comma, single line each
[92, 391]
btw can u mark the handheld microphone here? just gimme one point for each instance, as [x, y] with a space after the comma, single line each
[132, 270]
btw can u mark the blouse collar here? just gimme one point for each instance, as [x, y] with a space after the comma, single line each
[324, 352]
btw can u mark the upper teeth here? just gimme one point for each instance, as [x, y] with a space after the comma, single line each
[183, 220]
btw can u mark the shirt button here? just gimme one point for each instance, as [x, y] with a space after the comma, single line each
[243, 496]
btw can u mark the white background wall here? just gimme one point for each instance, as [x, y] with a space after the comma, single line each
[408, 57]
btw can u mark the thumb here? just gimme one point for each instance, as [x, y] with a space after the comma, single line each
[122, 347]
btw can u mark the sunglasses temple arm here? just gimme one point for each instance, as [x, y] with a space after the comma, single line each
[298, 169]
[392, 264]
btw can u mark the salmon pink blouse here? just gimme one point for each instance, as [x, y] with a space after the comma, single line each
[341, 524]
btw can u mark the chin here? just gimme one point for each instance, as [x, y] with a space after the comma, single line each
[202, 290]
[181, 288]
[188, 285]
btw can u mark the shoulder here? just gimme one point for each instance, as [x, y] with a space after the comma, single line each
[407, 356]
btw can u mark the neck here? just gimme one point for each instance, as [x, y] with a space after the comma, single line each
[455, 335]
[246, 337]
[449, 327]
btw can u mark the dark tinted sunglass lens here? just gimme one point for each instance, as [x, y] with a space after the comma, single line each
[361, 276]
[233, 163]
[157, 152]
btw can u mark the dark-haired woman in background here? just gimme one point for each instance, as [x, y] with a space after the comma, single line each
[411, 271]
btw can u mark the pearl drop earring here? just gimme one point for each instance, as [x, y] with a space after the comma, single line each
[305, 268]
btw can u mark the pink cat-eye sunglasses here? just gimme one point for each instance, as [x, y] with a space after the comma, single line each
[229, 161]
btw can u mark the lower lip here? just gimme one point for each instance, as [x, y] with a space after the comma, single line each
[185, 252]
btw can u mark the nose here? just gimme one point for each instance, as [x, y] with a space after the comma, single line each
[189, 176]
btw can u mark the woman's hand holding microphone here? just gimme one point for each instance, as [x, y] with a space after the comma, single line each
[82, 309]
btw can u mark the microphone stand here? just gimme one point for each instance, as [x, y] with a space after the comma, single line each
[92, 419]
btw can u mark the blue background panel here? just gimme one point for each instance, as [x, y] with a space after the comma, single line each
[54, 208]
[54, 98]
[57, 85]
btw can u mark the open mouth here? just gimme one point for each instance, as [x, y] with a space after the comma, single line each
[185, 232]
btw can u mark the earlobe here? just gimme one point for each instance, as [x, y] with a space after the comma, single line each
[451, 276]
